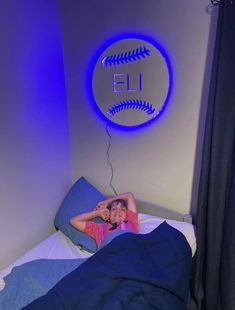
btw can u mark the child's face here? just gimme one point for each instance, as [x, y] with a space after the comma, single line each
[118, 214]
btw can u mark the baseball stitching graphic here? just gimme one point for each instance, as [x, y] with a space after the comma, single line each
[119, 59]
[131, 104]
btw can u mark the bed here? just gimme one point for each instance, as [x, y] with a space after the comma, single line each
[150, 270]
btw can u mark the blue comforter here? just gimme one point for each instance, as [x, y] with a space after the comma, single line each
[32, 280]
[133, 271]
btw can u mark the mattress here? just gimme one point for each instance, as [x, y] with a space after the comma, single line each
[56, 246]
[59, 246]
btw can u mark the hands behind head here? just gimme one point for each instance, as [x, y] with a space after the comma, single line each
[101, 205]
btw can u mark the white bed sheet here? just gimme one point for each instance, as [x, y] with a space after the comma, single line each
[149, 222]
[57, 246]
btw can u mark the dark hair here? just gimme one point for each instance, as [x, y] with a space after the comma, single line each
[116, 202]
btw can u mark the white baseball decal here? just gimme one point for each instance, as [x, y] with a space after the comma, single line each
[131, 82]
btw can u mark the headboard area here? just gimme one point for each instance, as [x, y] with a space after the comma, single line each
[152, 209]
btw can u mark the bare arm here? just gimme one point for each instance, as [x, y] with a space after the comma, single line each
[79, 221]
[129, 197]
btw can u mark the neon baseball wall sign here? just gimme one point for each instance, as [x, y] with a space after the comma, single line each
[131, 81]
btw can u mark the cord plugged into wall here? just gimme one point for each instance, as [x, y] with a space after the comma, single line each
[109, 161]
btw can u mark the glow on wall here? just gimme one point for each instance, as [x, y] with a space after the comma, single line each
[131, 81]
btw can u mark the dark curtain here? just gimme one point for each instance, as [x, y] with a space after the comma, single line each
[214, 280]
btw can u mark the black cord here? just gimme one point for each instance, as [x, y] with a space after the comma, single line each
[108, 159]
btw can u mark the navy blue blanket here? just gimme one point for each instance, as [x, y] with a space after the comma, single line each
[133, 271]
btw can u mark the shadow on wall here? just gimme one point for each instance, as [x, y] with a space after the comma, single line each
[203, 109]
[153, 209]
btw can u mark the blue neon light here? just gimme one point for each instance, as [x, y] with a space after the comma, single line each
[116, 59]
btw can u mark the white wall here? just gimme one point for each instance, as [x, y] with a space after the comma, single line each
[34, 139]
[156, 163]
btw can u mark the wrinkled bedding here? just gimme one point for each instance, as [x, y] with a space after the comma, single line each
[133, 271]
[32, 280]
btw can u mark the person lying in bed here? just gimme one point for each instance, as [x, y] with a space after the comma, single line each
[119, 212]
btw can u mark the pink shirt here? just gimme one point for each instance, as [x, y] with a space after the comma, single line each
[100, 231]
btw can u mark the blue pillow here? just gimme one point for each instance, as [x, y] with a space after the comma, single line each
[81, 198]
